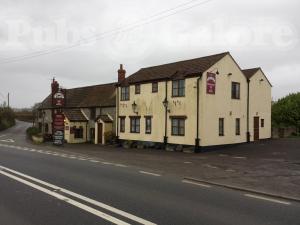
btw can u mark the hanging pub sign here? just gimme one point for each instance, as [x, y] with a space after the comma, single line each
[59, 98]
[58, 127]
[211, 83]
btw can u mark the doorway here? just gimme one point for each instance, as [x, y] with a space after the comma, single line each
[256, 128]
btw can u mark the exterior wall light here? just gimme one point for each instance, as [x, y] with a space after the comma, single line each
[134, 107]
[166, 104]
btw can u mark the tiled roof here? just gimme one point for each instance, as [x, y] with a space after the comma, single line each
[75, 115]
[250, 72]
[174, 70]
[105, 118]
[91, 96]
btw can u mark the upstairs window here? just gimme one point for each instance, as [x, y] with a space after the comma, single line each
[137, 89]
[154, 87]
[237, 126]
[178, 88]
[125, 93]
[135, 124]
[235, 90]
[221, 126]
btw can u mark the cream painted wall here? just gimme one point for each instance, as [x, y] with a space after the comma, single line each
[212, 107]
[151, 104]
[221, 105]
[260, 104]
[70, 137]
[148, 104]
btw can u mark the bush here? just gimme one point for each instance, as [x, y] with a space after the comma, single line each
[109, 137]
[7, 118]
[32, 131]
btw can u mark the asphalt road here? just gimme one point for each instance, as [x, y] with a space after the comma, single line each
[41, 187]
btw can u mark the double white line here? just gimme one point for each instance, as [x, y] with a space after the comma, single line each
[12, 174]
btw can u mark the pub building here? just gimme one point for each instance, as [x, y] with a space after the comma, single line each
[78, 115]
[195, 103]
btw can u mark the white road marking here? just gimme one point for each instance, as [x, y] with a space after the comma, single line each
[148, 173]
[223, 155]
[267, 199]
[8, 140]
[239, 157]
[230, 170]
[120, 165]
[195, 183]
[106, 163]
[210, 166]
[86, 199]
[67, 200]
[187, 162]
[2, 135]
[94, 161]
[82, 159]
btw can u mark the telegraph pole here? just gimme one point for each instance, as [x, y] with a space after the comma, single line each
[8, 100]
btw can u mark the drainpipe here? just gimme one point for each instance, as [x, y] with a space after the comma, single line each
[166, 115]
[248, 109]
[117, 117]
[197, 140]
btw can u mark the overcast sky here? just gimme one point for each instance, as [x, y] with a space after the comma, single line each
[140, 33]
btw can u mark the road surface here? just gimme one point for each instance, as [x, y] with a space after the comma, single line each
[42, 187]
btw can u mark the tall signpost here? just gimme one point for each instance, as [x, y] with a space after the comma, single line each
[58, 118]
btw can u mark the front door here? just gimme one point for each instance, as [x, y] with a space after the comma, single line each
[100, 133]
[256, 128]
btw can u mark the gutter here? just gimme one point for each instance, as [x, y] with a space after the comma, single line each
[197, 140]
[248, 109]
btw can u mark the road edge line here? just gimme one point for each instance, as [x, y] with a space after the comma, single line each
[242, 189]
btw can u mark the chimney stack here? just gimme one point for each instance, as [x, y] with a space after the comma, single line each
[121, 74]
[54, 86]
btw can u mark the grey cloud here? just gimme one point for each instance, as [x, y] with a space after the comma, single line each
[189, 34]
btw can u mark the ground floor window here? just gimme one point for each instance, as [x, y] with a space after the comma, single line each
[78, 132]
[148, 125]
[178, 126]
[135, 124]
[221, 126]
[237, 126]
[122, 124]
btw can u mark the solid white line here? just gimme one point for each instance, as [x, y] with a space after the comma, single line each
[196, 183]
[67, 200]
[120, 165]
[89, 200]
[239, 157]
[267, 199]
[152, 174]
[94, 161]
[105, 163]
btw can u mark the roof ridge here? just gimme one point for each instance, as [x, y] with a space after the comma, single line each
[90, 86]
[254, 68]
[223, 53]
